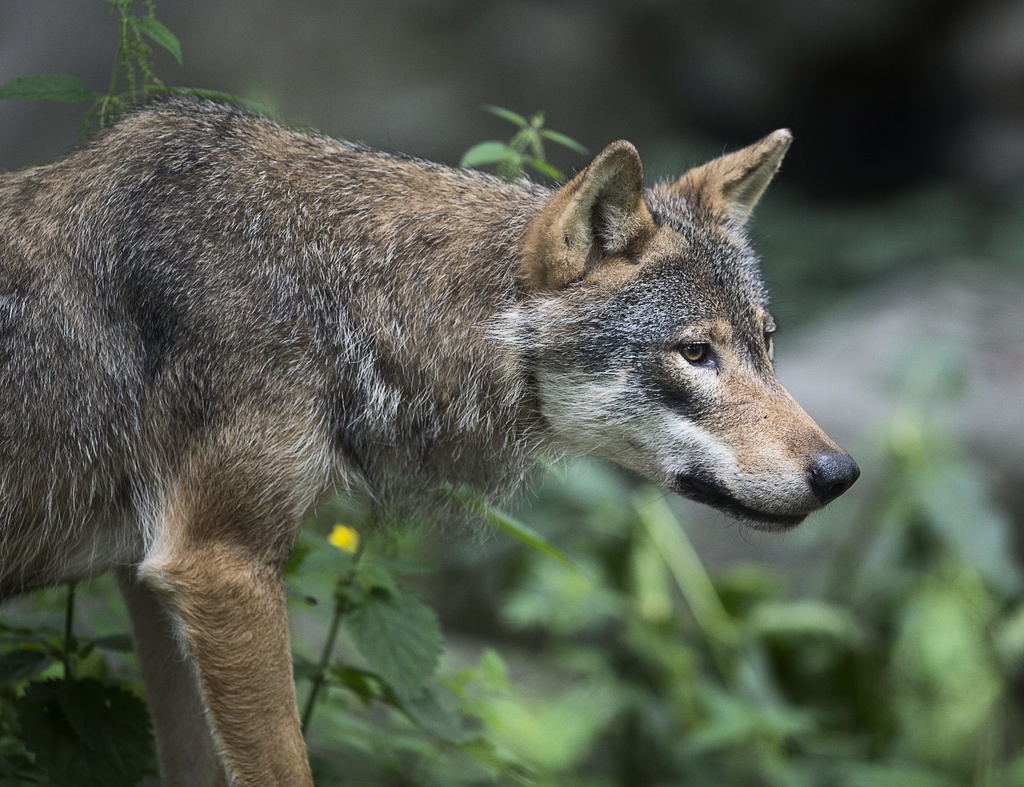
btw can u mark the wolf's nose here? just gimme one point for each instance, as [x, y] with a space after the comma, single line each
[832, 475]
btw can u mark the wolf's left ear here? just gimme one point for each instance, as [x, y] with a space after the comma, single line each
[733, 183]
[598, 213]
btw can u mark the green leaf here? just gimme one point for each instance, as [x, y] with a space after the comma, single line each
[546, 169]
[507, 114]
[491, 152]
[529, 140]
[649, 579]
[493, 671]
[687, 569]
[734, 721]
[510, 525]
[46, 87]
[365, 684]
[805, 618]
[22, 664]
[25, 637]
[563, 601]
[303, 668]
[399, 637]
[526, 534]
[564, 141]
[299, 553]
[431, 716]
[556, 733]
[374, 576]
[86, 734]
[154, 29]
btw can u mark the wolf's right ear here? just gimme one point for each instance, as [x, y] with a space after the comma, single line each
[600, 212]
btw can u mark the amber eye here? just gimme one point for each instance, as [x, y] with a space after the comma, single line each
[694, 352]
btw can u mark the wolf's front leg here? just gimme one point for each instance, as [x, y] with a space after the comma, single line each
[185, 747]
[227, 607]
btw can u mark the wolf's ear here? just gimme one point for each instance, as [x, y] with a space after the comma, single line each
[733, 183]
[598, 213]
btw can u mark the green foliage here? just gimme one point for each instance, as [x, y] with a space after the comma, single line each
[400, 636]
[46, 87]
[132, 67]
[90, 728]
[132, 78]
[153, 29]
[525, 149]
[85, 732]
[509, 525]
[392, 646]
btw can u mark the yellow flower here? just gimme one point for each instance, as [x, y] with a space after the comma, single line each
[344, 538]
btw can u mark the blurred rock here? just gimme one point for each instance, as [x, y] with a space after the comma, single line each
[850, 370]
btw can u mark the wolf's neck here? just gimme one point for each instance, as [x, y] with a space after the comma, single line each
[428, 389]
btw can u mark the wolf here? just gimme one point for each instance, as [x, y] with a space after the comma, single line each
[209, 321]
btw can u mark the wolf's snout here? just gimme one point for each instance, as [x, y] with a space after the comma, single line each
[833, 474]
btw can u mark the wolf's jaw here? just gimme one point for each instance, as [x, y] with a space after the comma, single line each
[702, 489]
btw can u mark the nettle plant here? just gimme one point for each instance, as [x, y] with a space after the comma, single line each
[132, 78]
[525, 148]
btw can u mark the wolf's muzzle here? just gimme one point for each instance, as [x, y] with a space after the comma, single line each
[833, 474]
[702, 488]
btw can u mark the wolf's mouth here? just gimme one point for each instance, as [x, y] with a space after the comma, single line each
[702, 489]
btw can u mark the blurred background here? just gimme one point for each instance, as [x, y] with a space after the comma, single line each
[882, 641]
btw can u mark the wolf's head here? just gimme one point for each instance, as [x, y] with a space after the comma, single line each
[653, 337]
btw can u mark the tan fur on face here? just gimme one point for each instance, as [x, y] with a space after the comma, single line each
[771, 440]
[767, 428]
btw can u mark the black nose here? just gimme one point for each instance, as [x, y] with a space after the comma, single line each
[832, 475]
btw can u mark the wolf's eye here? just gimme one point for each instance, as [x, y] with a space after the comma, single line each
[694, 352]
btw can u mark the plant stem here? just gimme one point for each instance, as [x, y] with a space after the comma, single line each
[693, 581]
[122, 35]
[69, 621]
[320, 677]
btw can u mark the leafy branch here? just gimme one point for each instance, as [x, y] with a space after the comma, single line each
[132, 78]
[525, 149]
